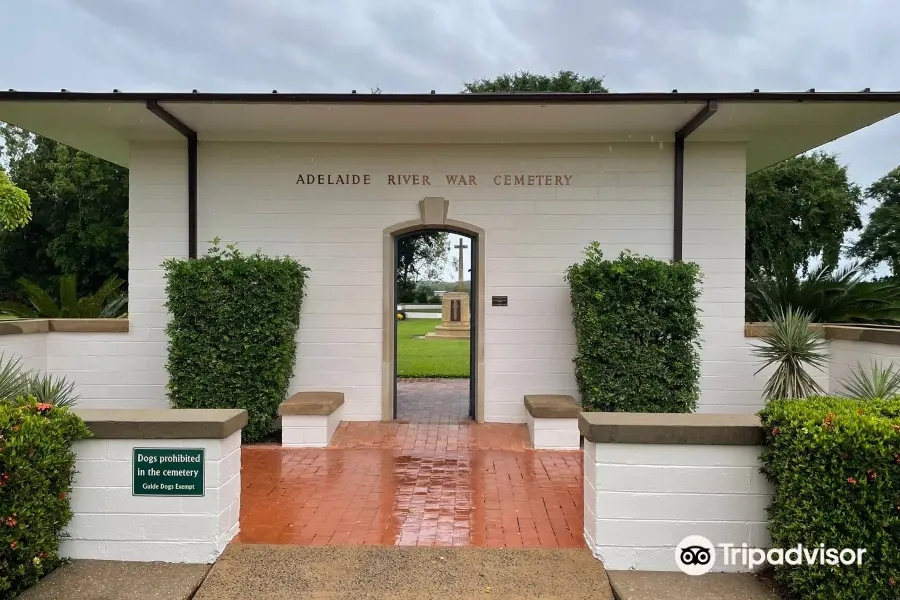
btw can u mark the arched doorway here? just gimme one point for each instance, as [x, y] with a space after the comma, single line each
[433, 217]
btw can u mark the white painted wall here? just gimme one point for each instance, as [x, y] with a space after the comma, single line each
[110, 523]
[846, 354]
[641, 500]
[621, 196]
[29, 348]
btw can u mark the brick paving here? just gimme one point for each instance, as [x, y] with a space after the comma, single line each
[414, 485]
[433, 400]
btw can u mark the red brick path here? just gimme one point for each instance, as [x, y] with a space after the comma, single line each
[414, 484]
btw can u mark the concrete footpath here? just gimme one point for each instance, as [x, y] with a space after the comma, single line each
[117, 580]
[404, 573]
[655, 585]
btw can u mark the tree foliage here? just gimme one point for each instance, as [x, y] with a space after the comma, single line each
[105, 303]
[880, 240]
[828, 294]
[524, 81]
[799, 209]
[15, 205]
[79, 225]
[419, 256]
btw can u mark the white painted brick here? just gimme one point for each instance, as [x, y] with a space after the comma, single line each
[110, 523]
[641, 500]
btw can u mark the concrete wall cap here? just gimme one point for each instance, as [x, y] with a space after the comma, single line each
[311, 403]
[18, 326]
[671, 428]
[837, 331]
[552, 406]
[163, 424]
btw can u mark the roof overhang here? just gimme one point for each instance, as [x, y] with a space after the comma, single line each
[774, 126]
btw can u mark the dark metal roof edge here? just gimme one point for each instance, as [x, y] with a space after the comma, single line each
[459, 98]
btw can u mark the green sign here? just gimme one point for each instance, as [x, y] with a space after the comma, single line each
[167, 472]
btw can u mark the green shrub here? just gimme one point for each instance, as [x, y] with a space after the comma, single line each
[234, 319]
[36, 469]
[637, 333]
[835, 465]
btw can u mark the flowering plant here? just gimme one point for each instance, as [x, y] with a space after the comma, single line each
[36, 469]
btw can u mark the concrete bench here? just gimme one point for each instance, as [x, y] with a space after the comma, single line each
[553, 422]
[309, 419]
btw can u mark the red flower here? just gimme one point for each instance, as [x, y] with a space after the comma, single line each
[871, 473]
[10, 522]
[13, 544]
[859, 411]
[850, 480]
[43, 406]
[42, 555]
[891, 581]
[828, 420]
[62, 496]
[775, 431]
[15, 427]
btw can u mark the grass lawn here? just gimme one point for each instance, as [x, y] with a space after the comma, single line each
[429, 358]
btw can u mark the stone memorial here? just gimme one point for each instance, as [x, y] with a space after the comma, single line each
[455, 313]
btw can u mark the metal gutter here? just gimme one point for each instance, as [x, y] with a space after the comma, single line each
[191, 136]
[678, 212]
[456, 98]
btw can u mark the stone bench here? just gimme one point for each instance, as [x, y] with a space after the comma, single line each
[309, 419]
[553, 422]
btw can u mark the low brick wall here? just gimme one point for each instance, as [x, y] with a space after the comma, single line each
[113, 518]
[848, 346]
[651, 480]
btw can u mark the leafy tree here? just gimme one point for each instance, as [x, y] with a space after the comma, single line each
[15, 205]
[107, 302]
[419, 256]
[796, 210]
[524, 81]
[880, 240]
[79, 207]
[828, 294]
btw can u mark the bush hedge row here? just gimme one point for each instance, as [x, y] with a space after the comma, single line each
[37, 465]
[232, 331]
[835, 465]
[637, 333]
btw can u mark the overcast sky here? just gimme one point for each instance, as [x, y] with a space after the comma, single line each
[420, 45]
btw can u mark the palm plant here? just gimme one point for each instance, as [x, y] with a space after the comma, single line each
[13, 380]
[829, 294]
[106, 302]
[791, 345]
[16, 382]
[877, 383]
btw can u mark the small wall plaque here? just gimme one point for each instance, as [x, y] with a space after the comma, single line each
[498, 301]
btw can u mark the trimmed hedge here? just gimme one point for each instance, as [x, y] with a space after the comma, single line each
[835, 465]
[232, 331]
[637, 333]
[37, 465]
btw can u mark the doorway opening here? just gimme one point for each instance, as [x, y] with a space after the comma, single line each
[434, 341]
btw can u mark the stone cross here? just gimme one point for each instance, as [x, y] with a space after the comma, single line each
[460, 246]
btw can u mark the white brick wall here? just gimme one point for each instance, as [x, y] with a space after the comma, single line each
[845, 354]
[621, 196]
[112, 524]
[309, 431]
[29, 348]
[641, 500]
[553, 434]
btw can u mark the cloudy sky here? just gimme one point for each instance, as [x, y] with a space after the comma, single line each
[420, 45]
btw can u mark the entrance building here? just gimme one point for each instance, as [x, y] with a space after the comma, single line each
[532, 179]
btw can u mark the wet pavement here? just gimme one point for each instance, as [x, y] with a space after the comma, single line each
[433, 400]
[414, 485]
